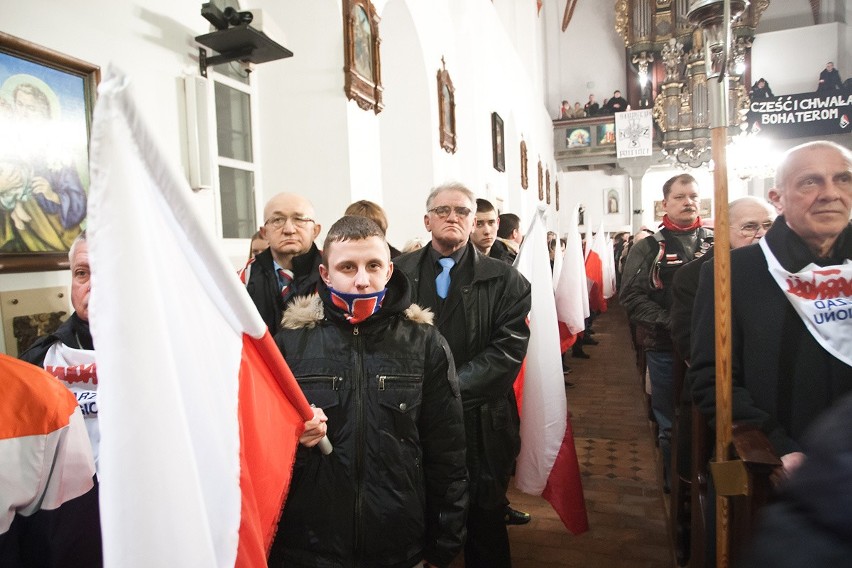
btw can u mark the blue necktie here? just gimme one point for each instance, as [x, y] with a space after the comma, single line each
[442, 282]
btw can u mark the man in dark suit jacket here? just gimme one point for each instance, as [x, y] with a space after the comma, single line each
[482, 313]
[290, 266]
[749, 218]
[790, 349]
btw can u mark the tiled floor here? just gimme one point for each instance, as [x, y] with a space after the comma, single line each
[618, 464]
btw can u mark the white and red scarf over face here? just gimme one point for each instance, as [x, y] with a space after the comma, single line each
[357, 307]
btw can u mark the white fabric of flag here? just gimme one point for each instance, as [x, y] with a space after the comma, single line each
[167, 363]
[572, 296]
[557, 261]
[545, 409]
[603, 246]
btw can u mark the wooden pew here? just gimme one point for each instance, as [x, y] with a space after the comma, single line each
[751, 446]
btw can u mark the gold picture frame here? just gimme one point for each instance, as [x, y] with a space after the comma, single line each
[446, 109]
[46, 104]
[362, 59]
[556, 191]
[498, 150]
[540, 181]
[547, 185]
[525, 182]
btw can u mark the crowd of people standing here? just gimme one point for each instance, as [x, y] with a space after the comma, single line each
[612, 105]
[409, 361]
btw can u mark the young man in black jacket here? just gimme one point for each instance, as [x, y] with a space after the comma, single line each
[393, 492]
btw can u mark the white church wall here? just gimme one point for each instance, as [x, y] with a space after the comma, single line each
[408, 124]
[786, 14]
[305, 136]
[151, 43]
[792, 59]
[310, 138]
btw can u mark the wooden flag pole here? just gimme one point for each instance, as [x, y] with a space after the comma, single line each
[714, 19]
[722, 286]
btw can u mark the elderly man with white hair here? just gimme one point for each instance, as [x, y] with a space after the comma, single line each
[791, 306]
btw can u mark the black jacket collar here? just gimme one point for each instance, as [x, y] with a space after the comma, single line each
[302, 264]
[794, 254]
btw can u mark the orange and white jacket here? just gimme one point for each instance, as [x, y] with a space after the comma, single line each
[48, 495]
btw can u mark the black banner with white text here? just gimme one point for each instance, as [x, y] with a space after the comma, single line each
[802, 114]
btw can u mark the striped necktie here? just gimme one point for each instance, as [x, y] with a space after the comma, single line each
[285, 279]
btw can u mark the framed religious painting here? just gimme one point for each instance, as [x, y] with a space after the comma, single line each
[525, 181]
[46, 103]
[556, 190]
[498, 150]
[578, 138]
[547, 184]
[540, 181]
[362, 63]
[447, 109]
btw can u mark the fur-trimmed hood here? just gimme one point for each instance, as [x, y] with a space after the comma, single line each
[308, 311]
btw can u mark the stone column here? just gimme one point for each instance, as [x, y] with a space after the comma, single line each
[635, 169]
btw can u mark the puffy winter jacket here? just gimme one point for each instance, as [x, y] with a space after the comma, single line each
[394, 490]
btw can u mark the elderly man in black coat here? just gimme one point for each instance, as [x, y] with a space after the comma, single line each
[290, 266]
[790, 306]
[481, 305]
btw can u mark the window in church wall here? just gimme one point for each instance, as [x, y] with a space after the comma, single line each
[237, 204]
[236, 194]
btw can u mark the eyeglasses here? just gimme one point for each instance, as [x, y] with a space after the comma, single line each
[751, 229]
[279, 222]
[443, 211]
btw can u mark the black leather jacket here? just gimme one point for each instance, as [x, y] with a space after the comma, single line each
[647, 277]
[73, 332]
[394, 490]
[263, 286]
[495, 335]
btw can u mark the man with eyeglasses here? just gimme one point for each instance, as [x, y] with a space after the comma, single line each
[791, 306]
[481, 305]
[646, 293]
[748, 218]
[290, 266]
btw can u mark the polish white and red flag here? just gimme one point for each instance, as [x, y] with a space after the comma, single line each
[199, 414]
[594, 269]
[608, 264]
[547, 464]
[571, 292]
